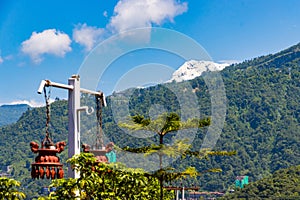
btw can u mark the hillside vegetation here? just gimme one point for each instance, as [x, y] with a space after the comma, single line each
[11, 113]
[283, 184]
[262, 122]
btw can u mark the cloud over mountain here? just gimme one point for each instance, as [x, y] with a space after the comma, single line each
[50, 41]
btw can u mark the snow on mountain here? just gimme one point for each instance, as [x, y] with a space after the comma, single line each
[193, 68]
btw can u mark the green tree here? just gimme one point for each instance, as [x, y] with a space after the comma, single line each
[8, 189]
[164, 124]
[105, 181]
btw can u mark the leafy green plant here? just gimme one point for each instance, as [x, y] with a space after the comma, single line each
[9, 189]
[105, 181]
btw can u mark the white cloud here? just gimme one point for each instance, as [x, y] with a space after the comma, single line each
[130, 14]
[87, 36]
[105, 14]
[49, 41]
[31, 103]
[9, 57]
[5, 58]
[229, 62]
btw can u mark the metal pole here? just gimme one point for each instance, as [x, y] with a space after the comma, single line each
[74, 118]
[182, 193]
[177, 194]
[74, 113]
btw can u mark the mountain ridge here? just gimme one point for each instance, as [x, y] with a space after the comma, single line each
[11, 113]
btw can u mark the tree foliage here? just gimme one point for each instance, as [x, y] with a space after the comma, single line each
[162, 125]
[9, 189]
[105, 181]
[283, 184]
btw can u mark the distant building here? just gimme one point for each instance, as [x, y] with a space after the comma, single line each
[240, 181]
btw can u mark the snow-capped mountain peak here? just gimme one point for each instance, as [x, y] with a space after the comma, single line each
[193, 68]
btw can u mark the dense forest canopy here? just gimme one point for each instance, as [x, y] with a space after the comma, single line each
[283, 184]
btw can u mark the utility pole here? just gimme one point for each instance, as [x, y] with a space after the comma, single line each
[75, 108]
[74, 122]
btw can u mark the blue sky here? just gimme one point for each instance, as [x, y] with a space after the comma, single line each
[50, 39]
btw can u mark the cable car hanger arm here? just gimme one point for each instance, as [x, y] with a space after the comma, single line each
[47, 83]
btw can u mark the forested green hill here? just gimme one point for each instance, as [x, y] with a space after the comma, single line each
[283, 184]
[262, 121]
[15, 139]
[11, 113]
